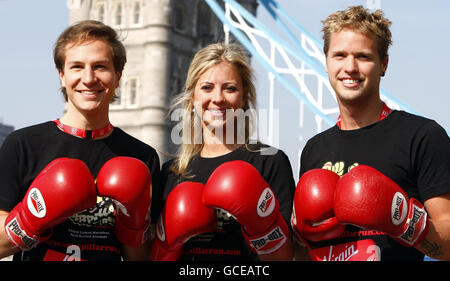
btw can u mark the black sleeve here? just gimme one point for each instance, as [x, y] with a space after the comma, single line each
[155, 171]
[279, 176]
[164, 188]
[431, 160]
[11, 190]
[304, 160]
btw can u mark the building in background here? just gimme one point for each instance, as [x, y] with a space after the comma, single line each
[5, 130]
[161, 37]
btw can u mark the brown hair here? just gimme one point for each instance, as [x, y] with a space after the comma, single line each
[85, 31]
[362, 20]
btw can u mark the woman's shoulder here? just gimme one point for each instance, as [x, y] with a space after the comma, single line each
[265, 150]
[166, 166]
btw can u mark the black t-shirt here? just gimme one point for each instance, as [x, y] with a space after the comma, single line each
[411, 150]
[227, 242]
[88, 235]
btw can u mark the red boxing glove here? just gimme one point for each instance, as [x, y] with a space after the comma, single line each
[64, 187]
[366, 198]
[238, 188]
[128, 182]
[313, 213]
[183, 217]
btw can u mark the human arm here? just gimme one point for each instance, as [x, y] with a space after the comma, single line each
[9, 190]
[433, 150]
[64, 187]
[301, 252]
[238, 188]
[437, 241]
[139, 253]
[127, 181]
[312, 212]
[6, 247]
[278, 174]
[284, 253]
[184, 216]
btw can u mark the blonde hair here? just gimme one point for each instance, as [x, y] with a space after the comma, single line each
[362, 20]
[203, 60]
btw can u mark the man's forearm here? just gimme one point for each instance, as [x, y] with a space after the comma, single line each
[6, 247]
[437, 242]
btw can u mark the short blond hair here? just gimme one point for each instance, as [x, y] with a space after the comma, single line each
[362, 20]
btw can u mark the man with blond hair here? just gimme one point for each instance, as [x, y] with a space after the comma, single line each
[376, 186]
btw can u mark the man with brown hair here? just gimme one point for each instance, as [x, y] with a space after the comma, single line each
[390, 199]
[50, 206]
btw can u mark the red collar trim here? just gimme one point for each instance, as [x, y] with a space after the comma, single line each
[384, 113]
[84, 134]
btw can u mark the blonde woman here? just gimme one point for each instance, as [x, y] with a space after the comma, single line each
[216, 154]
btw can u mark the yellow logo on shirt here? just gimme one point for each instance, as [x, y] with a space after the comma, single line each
[338, 167]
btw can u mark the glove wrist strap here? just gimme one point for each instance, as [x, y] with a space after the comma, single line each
[19, 235]
[271, 240]
[416, 226]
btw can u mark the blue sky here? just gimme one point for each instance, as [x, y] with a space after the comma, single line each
[30, 84]
[417, 73]
[418, 62]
